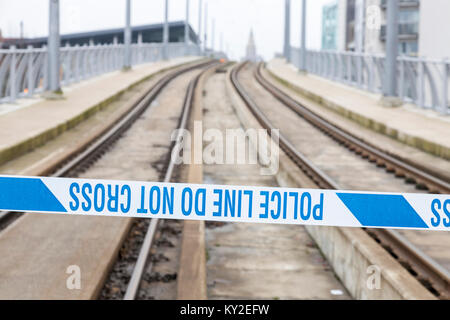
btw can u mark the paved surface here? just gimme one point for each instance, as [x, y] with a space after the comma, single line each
[256, 261]
[29, 122]
[405, 123]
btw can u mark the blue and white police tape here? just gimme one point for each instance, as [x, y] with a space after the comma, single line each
[224, 203]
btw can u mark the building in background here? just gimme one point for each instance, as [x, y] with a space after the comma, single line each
[250, 52]
[145, 33]
[330, 26]
[408, 20]
[365, 24]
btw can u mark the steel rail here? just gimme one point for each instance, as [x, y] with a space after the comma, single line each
[89, 152]
[139, 269]
[429, 272]
[419, 175]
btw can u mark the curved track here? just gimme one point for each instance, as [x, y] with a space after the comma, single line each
[429, 272]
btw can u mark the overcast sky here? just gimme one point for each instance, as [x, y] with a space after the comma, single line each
[233, 19]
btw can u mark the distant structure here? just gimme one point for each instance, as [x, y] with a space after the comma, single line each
[251, 49]
[147, 33]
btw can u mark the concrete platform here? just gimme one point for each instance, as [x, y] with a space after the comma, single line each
[31, 124]
[425, 130]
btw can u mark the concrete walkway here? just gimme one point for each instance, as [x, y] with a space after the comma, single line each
[34, 124]
[423, 129]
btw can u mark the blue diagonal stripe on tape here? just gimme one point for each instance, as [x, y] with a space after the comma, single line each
[22, 194]
[382, 210]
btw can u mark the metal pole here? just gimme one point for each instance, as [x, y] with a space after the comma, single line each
[186, 25]
[186, 30]
[53, 47]
[127, 36]
[213, 33]
[166, 32]
[390, 82]
[303, 39]
[206, 28]
[199, 40]
[359, 38]
[287, 29]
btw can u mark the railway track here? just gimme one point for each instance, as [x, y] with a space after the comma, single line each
[430, 273]
[84, 156]
[140, 266]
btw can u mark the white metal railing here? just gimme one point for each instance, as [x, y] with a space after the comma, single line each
[423, 82]
[23, 72]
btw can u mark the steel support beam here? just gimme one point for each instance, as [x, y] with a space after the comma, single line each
[390, 81]
[53, 47]
[287, 30]
[303, 39]
[186, 25]
[199, 32]
[127, 36]
[166, 32]
[206, 29]
[213, 34]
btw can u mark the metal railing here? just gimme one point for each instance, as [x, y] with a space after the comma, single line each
[423, 82]
[24, 72]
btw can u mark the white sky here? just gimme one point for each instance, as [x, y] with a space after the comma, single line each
[233, 18]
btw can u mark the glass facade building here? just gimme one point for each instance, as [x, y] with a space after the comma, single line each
[329, 26]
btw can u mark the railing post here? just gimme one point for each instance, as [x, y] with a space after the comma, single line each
[84, 59]
[421, 85]
[360, 69]
[401, 83]
[67, 72]
[46, 69]
[139, 49]
[77, 70]
[349, 69]
[444, 102]
[30, 71]
[12, 74]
